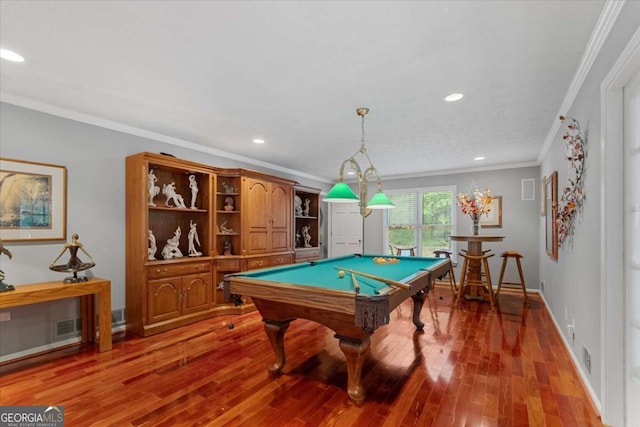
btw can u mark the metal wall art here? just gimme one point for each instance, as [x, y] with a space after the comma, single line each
[572, 196]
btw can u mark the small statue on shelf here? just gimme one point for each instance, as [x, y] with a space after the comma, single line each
[169, 190]
[226, 230]
[171, 249]
[306, 236]
[74, 264]
[297, 205]
[228, 188]
[154, 190]
[228, 203]
[152, 246]
[193, 239]
[227, 247]
[307, 207]
[193, 185]
[4, 287]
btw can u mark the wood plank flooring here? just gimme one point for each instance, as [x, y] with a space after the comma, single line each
[470, 367]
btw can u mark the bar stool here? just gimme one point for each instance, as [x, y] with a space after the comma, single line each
[439, 253]
[506, 255]
[483, 282]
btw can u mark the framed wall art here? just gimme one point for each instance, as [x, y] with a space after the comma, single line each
[551, 213]
[493, 219]
[33, 201]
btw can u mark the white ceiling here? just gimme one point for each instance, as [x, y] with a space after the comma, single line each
[218, 74]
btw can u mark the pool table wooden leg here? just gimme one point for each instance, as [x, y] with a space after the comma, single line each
[355, 352]
[275, 331]
[418, 302]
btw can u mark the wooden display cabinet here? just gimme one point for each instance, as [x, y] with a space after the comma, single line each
[306, 221]
[168, 286]
[266, 215]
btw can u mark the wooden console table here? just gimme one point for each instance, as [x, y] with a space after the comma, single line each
[50, 291]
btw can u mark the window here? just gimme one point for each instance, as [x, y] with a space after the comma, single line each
[423, 219]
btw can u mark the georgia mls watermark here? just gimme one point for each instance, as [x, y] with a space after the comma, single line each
[31, 416]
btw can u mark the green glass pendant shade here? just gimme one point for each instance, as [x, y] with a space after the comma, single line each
[380, 201]
[341, 193]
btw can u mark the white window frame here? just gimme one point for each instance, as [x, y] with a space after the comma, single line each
[418, 226]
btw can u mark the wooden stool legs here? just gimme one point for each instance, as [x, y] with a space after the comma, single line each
[452, 277]
[517, 256]
[478, 281]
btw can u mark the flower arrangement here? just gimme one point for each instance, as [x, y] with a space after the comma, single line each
[475, 203]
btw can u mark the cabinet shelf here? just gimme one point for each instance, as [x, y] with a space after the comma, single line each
[306, 225]
[174, 209]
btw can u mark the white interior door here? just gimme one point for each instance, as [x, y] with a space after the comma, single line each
[345, 229]
[632, 248]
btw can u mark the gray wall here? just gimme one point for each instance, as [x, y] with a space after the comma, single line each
[573, 284]
[95, 161]
[520, 218]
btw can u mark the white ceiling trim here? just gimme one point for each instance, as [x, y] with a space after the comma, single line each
[607, 18]
[143, 133]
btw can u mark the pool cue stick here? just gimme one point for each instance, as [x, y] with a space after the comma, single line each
[380, 279]
[356, 286]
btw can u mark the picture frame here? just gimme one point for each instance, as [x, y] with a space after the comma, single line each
[33, 201]
[493, 219]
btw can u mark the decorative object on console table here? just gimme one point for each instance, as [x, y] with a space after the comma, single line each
[573, 194]
[475, 203]
[34, 205]
[75, 264]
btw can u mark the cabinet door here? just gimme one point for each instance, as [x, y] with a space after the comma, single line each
[165, 299]
[256, 211]
[196, 292]
[280, 217]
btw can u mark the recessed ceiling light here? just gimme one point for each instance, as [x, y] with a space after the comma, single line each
[454, 97]
[258, 141]
[10, 55]
[479, 158]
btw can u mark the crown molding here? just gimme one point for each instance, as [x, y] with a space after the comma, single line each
[603, 27]
[143, 133]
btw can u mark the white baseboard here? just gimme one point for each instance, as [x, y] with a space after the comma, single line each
[576, 362]
[50, 347]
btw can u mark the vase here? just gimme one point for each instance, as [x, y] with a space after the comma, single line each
[476, 225]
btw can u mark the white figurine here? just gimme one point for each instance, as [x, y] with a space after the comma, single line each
[306, 236]
[227, 188]
[193, 185]
[226, 230]
[171, 249]
[307, 206]
[193, 239]
[169, 190]
[297, 206]
[152, 247]
[153, 188]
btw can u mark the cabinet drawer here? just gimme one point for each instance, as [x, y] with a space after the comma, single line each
[259, 262]
[276, 260]
[307, 254]
[178, 269]
[232, 264]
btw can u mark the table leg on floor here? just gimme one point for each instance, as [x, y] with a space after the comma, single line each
[275, 331]
[355, 352]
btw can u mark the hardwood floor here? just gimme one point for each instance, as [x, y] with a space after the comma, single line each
[469, 367]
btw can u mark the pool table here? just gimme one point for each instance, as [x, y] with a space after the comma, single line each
[315, 291]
